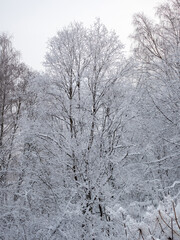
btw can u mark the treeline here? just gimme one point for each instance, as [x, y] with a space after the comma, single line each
[90, 148]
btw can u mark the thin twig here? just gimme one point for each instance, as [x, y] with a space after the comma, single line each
[167, 224]
[175, 216]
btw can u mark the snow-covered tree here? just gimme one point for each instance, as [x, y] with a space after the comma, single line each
[157, 51]
[13, 80]
[79, 114]
[90, 149]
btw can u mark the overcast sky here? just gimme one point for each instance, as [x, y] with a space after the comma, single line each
[33, 22]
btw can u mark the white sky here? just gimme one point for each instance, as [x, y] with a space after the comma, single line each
[33, 22]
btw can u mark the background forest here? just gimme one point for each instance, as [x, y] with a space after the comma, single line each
[90, 149]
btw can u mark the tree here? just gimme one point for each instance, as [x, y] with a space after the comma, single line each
[156, 48]
[13, 80]
[10, 72]
[78, 128]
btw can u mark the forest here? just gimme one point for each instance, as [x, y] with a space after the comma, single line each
[90, 147]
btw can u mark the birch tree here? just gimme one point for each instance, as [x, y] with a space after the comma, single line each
[13, 80]
[85, 91]
[156, 47]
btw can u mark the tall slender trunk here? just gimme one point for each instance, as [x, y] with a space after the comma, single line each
[91, 138]
[2, 119]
